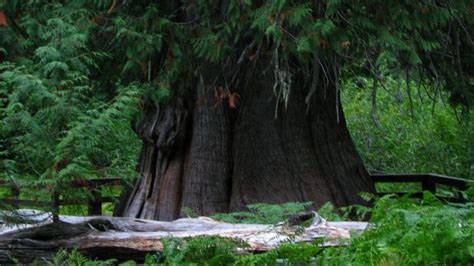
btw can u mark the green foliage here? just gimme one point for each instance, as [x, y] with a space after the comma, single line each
[407, 232]
[417, 135]
[188, 212]
[149, 41]
[63, 258]
[264, 213]
[402, 231]
[59, 121]
[210, 250]
[286, 254]
[329, 212]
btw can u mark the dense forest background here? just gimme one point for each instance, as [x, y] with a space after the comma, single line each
[421, 135]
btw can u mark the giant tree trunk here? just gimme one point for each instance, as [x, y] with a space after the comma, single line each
[218, 159]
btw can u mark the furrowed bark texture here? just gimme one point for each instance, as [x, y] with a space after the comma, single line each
[157, 194]
[297, 156]
[218, 159]
[206, 183]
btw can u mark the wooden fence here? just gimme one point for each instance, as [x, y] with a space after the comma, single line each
[428, 182]
[94, 186]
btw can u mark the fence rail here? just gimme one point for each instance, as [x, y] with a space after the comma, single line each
[428, 182]
[94, 204]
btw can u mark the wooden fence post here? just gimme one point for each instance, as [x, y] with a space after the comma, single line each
[428, 184]
[55, 203]
[95, 204]
[15, 192]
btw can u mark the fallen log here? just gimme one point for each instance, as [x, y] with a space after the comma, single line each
[105, 237]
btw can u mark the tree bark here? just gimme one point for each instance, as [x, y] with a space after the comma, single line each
[206, 183]
[228, 158]
[300, 155]
[157, 194]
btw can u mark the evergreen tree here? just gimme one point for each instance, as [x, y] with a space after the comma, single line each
[239, 100]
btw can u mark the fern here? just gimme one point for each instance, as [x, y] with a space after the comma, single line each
[264, 213]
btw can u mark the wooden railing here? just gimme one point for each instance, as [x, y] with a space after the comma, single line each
[429, 182]
[94, 186]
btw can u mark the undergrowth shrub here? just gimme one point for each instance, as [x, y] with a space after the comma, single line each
[403, 134]
[264, 213]
[402, 231]
[406, 231]
[211, 250]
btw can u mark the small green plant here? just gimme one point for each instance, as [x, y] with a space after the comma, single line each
[264, 213]
[210, 250]
[329, 212]
[152, 259]
[188, 212]
[59, 259]
[73, 258]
